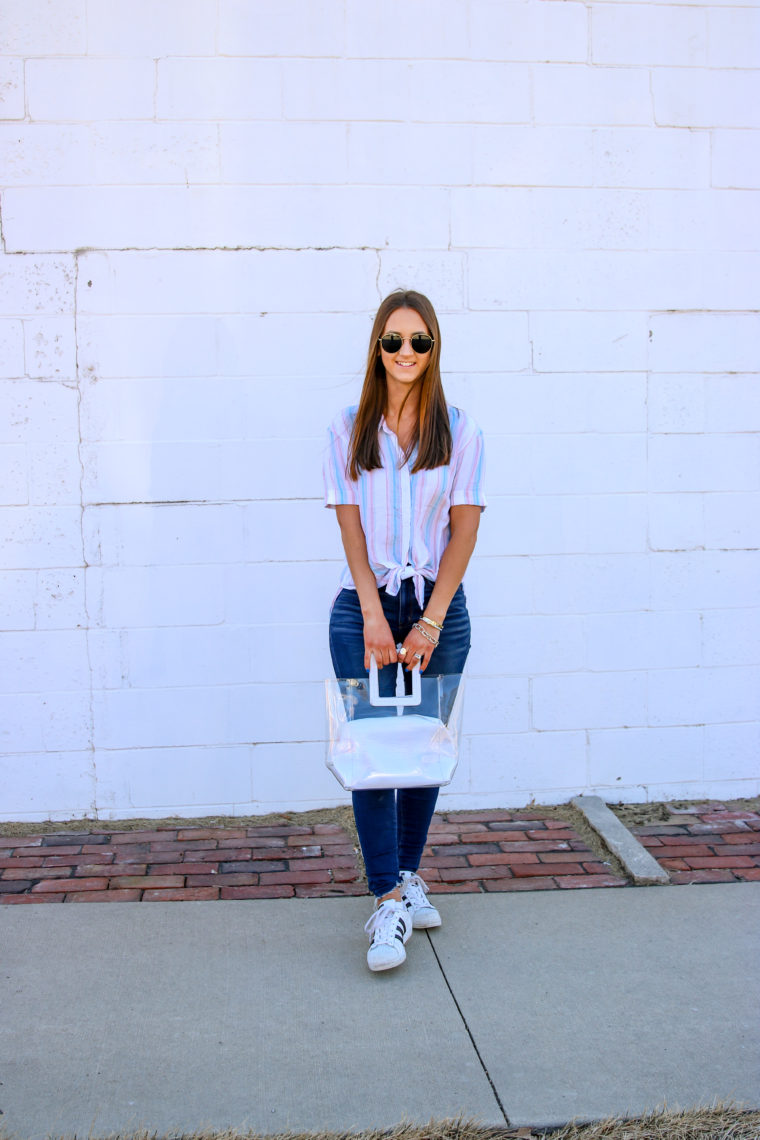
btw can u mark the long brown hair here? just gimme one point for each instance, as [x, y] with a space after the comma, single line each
[432, 434]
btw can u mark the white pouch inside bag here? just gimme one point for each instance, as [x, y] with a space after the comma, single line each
[374, 742]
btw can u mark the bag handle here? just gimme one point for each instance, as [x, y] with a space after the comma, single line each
[399, 701]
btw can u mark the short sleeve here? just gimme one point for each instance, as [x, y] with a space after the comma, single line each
[339, 489]
[468, 461]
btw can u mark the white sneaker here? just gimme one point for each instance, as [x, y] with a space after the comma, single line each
[423, 914]
[388, 929]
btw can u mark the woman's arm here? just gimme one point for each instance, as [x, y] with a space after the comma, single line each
[378, 638]
[464, 521]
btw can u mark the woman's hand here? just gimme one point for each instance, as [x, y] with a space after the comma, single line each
[416, 643]
[378, 639]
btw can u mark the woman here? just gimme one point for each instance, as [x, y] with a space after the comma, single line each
[403, 471]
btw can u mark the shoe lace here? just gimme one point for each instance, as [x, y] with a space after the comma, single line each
[382, 923]
[415, 888]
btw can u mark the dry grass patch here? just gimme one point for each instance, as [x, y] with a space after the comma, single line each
[341, 815]
[686, 811]
[719, 1122]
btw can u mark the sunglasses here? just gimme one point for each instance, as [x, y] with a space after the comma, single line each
[394, 342]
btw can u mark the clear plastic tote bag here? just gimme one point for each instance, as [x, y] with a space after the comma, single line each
[400, 740]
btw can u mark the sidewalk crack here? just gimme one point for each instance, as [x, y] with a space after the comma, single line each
[494, 1090]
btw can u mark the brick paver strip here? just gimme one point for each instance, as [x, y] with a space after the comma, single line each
[103, 896]
[467, 852]
[707, 844]
[258, 892]
[6, 900]
[179, 894]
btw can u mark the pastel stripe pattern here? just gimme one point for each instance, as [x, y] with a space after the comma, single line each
[394, 503]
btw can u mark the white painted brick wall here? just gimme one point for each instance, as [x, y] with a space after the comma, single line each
[17, 592]
[531, 31]
[38, 28]
[704, 695]
[730, 751]
[66, 90]
[712, 579]
[12, 348]
[709, 342]
[12, 89]
[676, 522]
[224, 282]
[534, 155]
[721, 220]
[734, 162]
[448, 150]
[426, 34]
[694, 403]
[224, 216]
[694, 97]
[50, 348]
[109, 153]
[550, 219]
[643, 35]
[732, 521]
[565, 93]
[732, 403]
[36, 285]
[41, 537]
[704, 463]
[589, 342]
[529, 766]
[280, 27]
[576, 700]
[201, 204]
[644, 756]
[651, 157]
[271, 153]
[136, 28]
[734, 37]
[214, 89]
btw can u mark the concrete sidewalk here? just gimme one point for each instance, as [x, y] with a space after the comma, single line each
[533, 1008]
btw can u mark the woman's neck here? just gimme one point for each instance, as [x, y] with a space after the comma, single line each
[404, 425]
[399, 397]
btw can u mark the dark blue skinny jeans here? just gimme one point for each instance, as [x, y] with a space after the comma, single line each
[393, 824]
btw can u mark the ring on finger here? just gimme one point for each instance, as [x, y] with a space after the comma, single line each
[417, 656]
[402, 652]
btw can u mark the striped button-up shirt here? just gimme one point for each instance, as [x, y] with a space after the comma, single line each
[404, 515]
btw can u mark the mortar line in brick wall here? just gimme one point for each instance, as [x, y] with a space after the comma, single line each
[85, 585]
[25, 64]
[204, 503]
[209, 249]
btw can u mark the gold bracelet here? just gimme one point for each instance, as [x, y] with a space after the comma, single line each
[429, 621]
